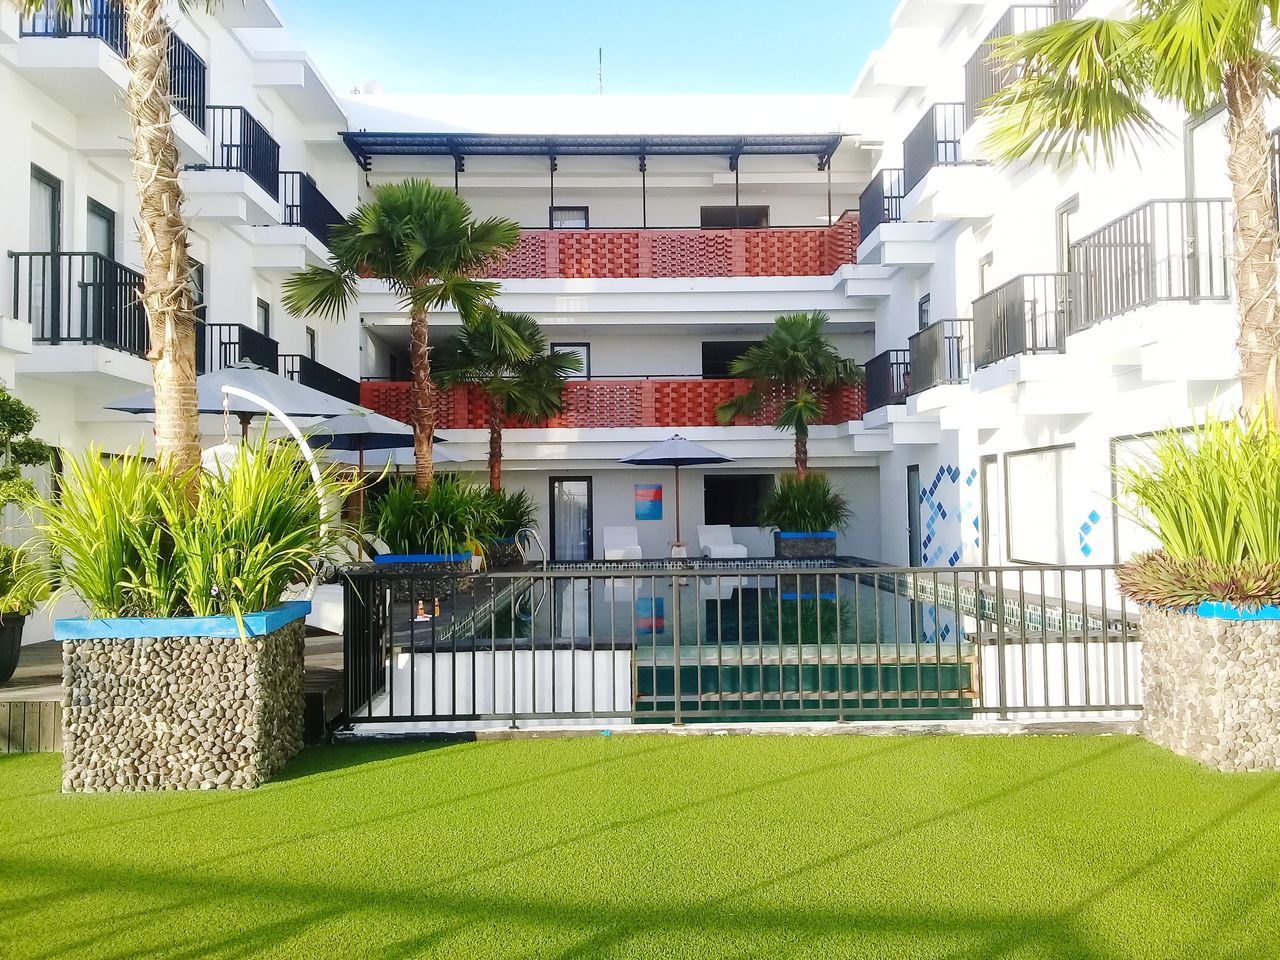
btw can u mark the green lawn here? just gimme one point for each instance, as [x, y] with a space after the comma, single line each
[724, 847]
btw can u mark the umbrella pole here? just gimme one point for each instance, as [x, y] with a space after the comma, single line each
[360, 489]
[245, 418]
[677, 503]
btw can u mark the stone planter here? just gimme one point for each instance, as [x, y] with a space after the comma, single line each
[1211, 685]
[10, 643]
[181, 704]
[804, 546]
[504, 552]
[442, 574]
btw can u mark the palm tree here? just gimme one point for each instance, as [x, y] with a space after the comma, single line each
[798, 361]
[162, 230]
[1083, 88]
[505, 354]
[422, 240]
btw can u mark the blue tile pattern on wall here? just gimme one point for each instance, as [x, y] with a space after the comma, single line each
[943, 505]
[1086, 528]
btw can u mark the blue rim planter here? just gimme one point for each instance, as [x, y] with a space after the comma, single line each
[185, 703]
[788, 545]
[1211, 684]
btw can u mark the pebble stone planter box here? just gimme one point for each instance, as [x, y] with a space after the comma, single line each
[1211, 684]
[186, 703]
[804, 546]
[504, 552]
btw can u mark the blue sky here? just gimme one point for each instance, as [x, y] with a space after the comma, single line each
[549, 46]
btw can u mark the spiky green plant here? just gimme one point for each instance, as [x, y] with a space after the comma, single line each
[455, 515]
[804, 504]
[513, 511]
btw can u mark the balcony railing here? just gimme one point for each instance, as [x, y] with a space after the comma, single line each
[888, 378]
[983, 77]
[933, 142]
[312, 373]
[941, 353]
[220, 345]
[611, 403]
[239, 142]
[81, 298]
[635, 253]
[104, 20]
[1163, 250]
[881, 201]
[1029, 314]
[303, 205]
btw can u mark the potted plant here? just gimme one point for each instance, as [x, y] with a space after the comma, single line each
[187, 673]
[806, 514]
[445, 525]
[23, 583]
[514, 513]
[1211, 592]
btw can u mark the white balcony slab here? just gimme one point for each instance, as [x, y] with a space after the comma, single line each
[81, 364]
[229, 196]
[285, 250]
[962, 191]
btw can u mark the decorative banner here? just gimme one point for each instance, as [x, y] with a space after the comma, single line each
[650, 617]
[648, 501]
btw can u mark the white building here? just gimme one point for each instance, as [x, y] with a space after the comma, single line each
[1019, 326]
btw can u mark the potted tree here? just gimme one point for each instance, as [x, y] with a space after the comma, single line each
[444, 526]
[806, 514]
[515, 512]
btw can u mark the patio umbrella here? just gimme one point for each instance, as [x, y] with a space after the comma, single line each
[676, 452]
[380, 459]
[290, 397]
[365, 431]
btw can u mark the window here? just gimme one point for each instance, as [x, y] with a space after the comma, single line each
[922, 312]
[1063, 235]
[197, 282]
[1035, 494]
[728, 216]
[100, 230]
[992, 527]
[734, 498]
[264, 318]
[570, 218]
[580, 350]
[46, 212]
[985, 266]
[718, 357]
[1128, 536]
[311, 342]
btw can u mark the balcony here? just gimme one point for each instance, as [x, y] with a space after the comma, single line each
[610, 403]
[941, 353]
[881, 201]
[221, 345]
[648, 253]
[1165, 250]
[240, 182]
[82, 298]
[1029, 314]
[86, 18]
[303, 205]
[310, 373]
[983, 78]
[933, 142]
[888, 378]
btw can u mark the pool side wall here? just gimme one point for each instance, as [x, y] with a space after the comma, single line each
[181, 712]
[1212, 688]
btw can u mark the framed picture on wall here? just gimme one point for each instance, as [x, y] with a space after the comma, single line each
[648, 501]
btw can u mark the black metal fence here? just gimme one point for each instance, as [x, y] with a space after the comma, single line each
[941, 353]
[933, 142]
[312, 373]
[881, 201]
[303, 205]
[1029, 314]
[1163, 250]
[80, 297]
[85, 18]
[188, 81]
[706, 642]
[983, 77]
[888, 378]
[237, 141]
[220, 345]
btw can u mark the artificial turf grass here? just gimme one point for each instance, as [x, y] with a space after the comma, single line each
[658, 847]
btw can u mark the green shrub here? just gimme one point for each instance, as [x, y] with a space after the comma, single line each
[454, 516]
[1211, 496]
[129, 540]
[807, 504]
[24, 580]
[514, 511]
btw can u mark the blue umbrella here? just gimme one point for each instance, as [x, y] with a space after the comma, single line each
[676, 452]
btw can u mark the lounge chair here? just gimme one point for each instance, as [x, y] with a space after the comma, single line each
[622, 543]
[717, 542]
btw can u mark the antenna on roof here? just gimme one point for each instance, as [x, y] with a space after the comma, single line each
[600, 71]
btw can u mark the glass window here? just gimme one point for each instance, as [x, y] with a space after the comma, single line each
[727, 216]
[718, 357]
[922, 312]
[570, 218]
[985, 266]
[1035, 497]
[311, 343]
[46, 205]
[100, 230]
[580, 350]
[734, 498]
[264, 318]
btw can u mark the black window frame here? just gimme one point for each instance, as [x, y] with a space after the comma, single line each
[95, 208]
[555, 208]
[264, 317]
[715, 498]
[738, 210]
[585, 347]
[49, 180]
[922, 311]
[312, 342]
[714, 344]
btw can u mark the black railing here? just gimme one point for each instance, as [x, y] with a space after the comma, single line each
[933, 142]
[1163, 250]
[312, 373]
[303, 205]
[188, 81]
[941, 353]
[102, 19]
[713, 641]
[1029, 314]
[881, 201]
[983, 77]
[81, 298]
[239, 142]
[220, 345]
[888, 378]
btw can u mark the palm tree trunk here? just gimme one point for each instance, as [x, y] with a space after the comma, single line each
[1256, 234]
[802, 453]
[166, 291]
[495, 442]
[424, 400]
